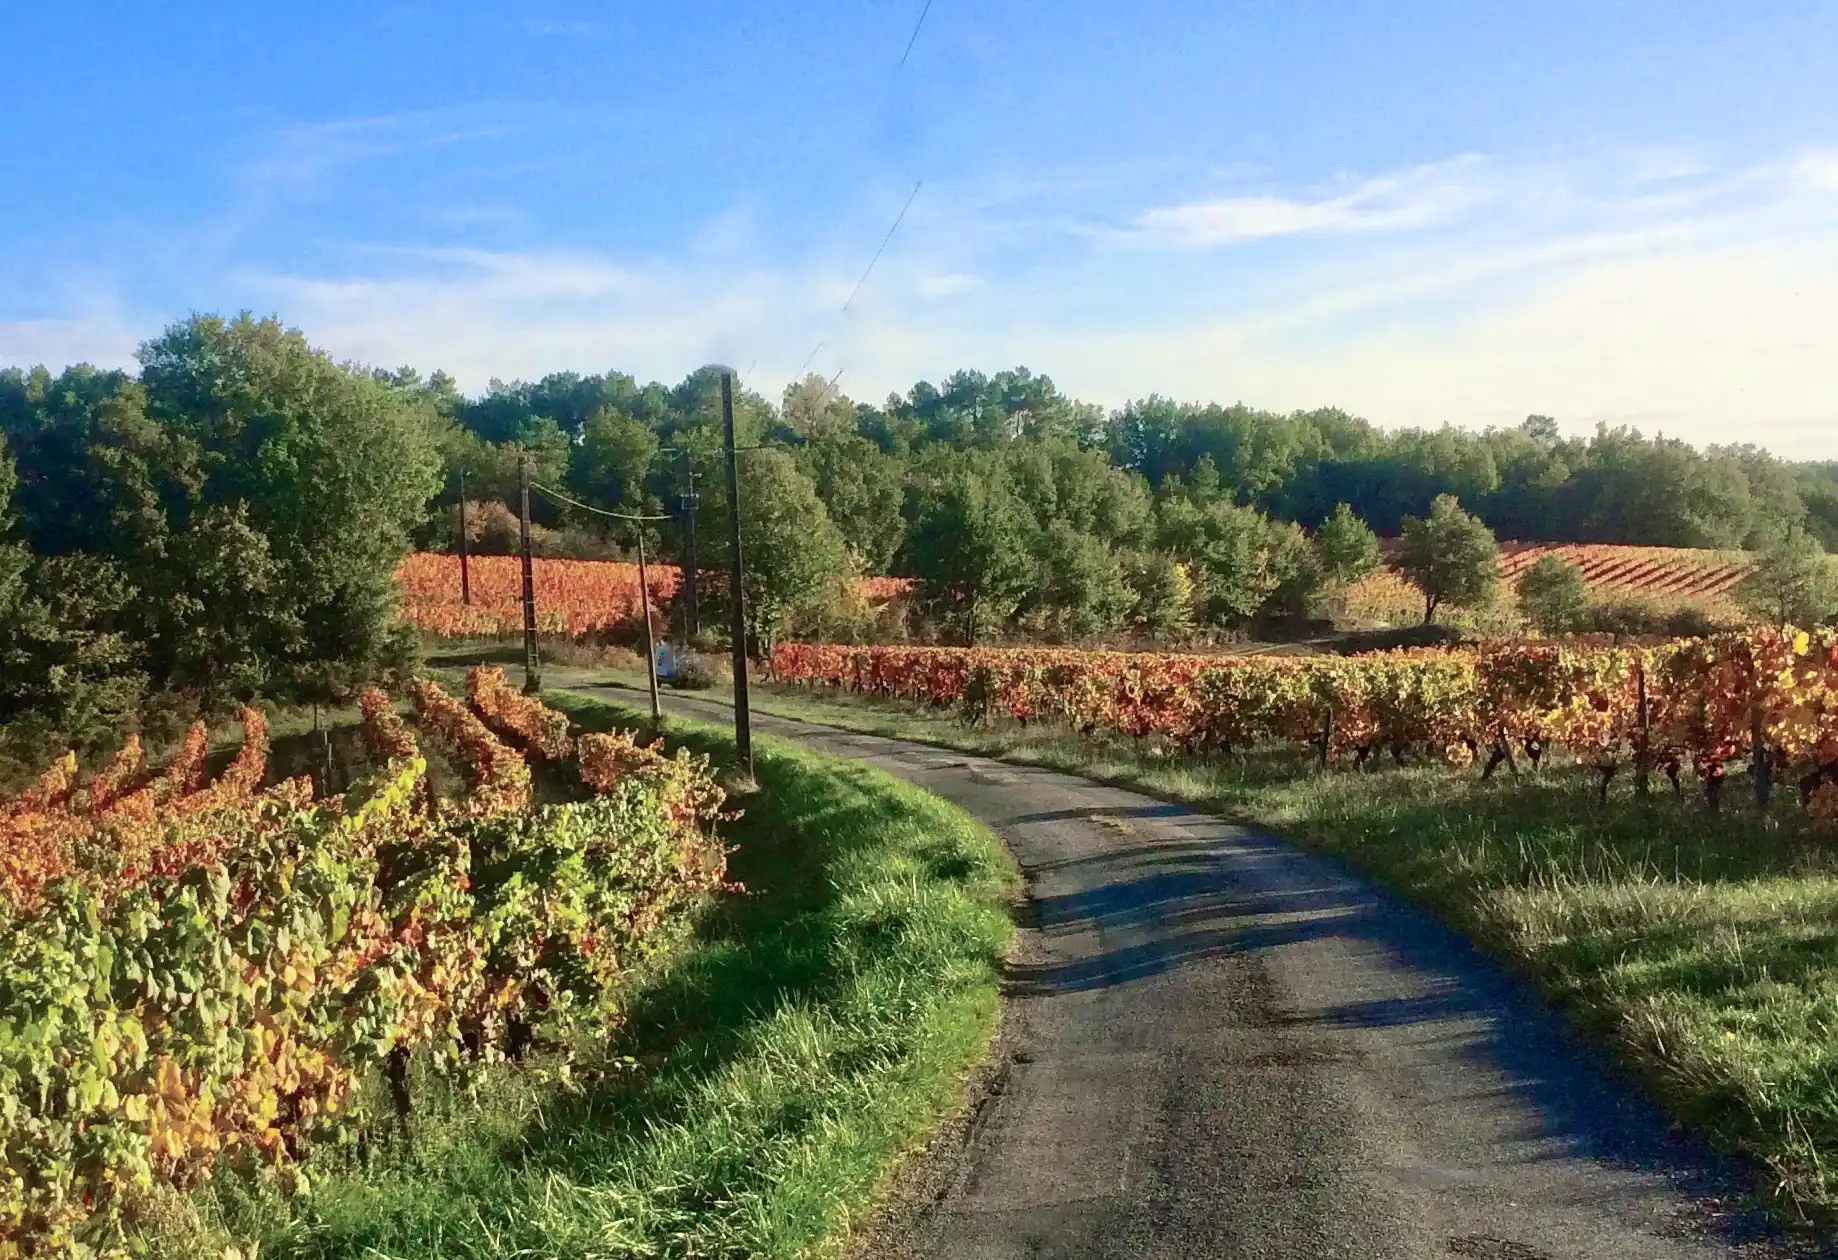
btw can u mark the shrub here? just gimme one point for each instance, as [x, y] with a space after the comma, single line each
[1637, 618]
[1552, 595]
[699, 671]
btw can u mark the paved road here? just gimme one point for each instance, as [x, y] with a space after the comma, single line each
[1220, 1046]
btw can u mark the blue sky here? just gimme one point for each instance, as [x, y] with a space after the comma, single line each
[1427, 213]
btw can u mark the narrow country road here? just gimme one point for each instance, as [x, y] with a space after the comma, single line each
[1219, 1046]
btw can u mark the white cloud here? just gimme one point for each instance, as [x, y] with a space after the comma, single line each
[1418, 198]
[1819, 169]
[1736, 344]
[102, 339]
[482, 314]
[946, 284]
[1710, 311]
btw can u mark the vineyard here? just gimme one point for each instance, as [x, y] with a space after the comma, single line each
[1768, 699]
[573, 597]
[1664, 576]
[196, 971]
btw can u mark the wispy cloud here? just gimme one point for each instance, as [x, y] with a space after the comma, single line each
[946, 284]
[101, 336]
[505, 314]
[1424, 196]
[1660, 290]
[545, 26]
[1818, 169]
[299, 156]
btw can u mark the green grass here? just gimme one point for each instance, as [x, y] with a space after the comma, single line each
[769, 1076]
[1703, 948]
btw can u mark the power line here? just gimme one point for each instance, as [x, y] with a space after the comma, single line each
[807, 358]
[910, 41]
[559, 497]
[877, 253]
[916, 26]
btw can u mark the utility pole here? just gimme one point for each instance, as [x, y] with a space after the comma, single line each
[692, 617]
[532, 663]
[644, 597]
[737, 598]
[465, 567]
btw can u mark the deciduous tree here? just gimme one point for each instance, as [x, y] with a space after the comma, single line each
[1451, 556]
[1552, 595]
[1794, 581]
[969, 550]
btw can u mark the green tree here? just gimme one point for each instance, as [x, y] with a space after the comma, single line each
[969, 551]
[793, 553]
[813, 405]
[1240, 563]
[1793, 582]
[1348, 548]
[1294, 563]
[1080, 590]
[1552, 595]
[1451, 556]
[609, 466]
[329, 466]
[1164, 596]
[861, 488]
[68, 674]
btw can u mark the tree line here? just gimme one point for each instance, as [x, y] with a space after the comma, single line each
[1021, 510]
[224, 522]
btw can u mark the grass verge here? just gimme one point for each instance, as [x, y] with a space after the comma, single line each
[770, 1073]
[1702, 948]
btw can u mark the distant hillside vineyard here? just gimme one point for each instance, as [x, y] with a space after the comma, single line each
[1661, 576]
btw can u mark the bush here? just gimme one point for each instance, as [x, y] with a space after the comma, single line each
[1636, 618]
[1552, 595]
[698, 671]
[841, 614]
[588, 654]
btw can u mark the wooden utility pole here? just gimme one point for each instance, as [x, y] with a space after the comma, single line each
[532, 663]
[465, 566]
[737, 597]
[644, 598]
[692, 617]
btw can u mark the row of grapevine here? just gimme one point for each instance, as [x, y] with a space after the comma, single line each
[1674, 578]
[197, 970]
[573, 597]
[539, 728]
[497, 776]
[1769, 697]
[1619, 568]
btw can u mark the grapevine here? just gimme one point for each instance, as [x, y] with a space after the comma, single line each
[497, 775]
[1706, 701]
[209, 968]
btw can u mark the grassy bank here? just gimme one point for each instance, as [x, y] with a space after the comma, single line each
[1703, 948]
[769, 1074]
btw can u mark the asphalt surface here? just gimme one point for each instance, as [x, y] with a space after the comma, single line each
[1217, 1045]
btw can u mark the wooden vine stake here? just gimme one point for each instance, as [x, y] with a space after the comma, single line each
[1760, 768]
[1643, 716]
